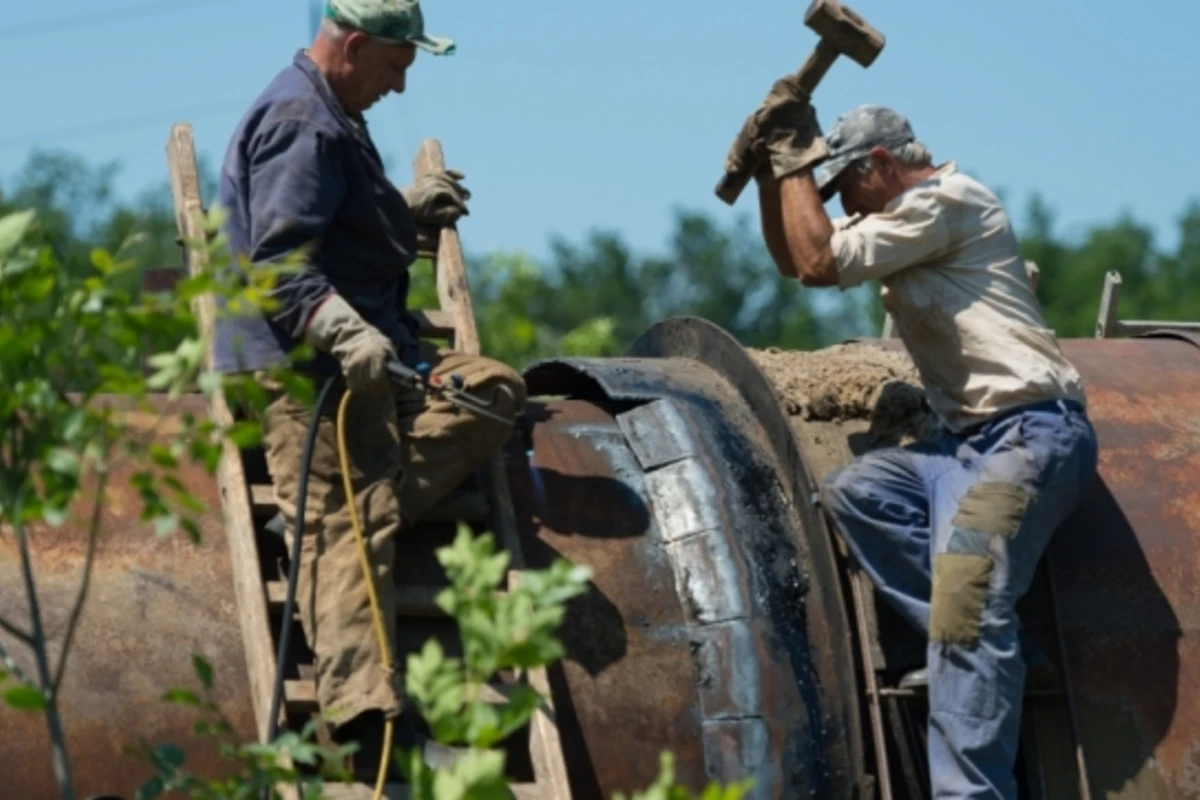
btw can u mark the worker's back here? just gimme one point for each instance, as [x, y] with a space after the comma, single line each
[968, 314]
[300, 171]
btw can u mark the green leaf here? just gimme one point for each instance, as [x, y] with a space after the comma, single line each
[26, 698]
[478, 775]
[245, 434]
[12, 230]
[209, 383]
[165, 524]
[55, 516]
[183, 697]
[161, 455]
[169, 754]
[63, 461]
[203, 671]
[193, 530]
[151, 789]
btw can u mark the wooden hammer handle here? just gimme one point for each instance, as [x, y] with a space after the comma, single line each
[730, 187]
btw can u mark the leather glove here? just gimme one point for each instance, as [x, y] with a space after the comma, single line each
[438, 199]
[748, 150]
[362, 351]
[783, 133]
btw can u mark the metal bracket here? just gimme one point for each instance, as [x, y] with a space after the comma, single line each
[1108, 325]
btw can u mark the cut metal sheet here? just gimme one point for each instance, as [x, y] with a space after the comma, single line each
[657, 433]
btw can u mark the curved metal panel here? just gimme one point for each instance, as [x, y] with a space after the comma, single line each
[823, 614]
[721, 524]
[153, 602]
[1127, 570]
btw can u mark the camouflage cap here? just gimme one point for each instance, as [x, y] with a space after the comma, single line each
[394, 20]
[853, 136]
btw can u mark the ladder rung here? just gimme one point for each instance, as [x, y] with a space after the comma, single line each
[460, 504]
[411, 601]
[262, 499]
[434, 322]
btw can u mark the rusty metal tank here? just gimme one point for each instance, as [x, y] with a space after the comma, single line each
[719, 625]
[152, 603]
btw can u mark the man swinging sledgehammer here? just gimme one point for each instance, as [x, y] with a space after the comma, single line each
[949, 529]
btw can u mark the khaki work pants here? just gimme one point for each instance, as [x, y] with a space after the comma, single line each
[407, 450]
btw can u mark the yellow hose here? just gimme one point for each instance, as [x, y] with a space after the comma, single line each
[369, 577]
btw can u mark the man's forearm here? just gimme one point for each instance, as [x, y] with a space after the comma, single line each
[771, 213]
[804, 230]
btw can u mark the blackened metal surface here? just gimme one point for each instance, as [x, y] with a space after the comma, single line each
[1186, 336]
[825, 635]
[153, 603]
[626, 689]
[658, 434]
[719, 550]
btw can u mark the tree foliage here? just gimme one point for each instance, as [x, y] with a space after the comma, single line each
[595, 296]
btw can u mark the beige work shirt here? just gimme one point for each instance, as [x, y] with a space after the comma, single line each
[961, 297]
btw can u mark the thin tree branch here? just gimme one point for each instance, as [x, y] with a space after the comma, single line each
[85, 583]
[15, 632]
[58, 740]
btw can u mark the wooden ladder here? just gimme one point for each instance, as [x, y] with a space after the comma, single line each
[260, 559]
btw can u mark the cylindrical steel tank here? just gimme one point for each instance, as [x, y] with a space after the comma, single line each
[719, 624]
[152, 603]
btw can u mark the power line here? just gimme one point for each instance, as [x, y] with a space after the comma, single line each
[120, 14]
[121, 124]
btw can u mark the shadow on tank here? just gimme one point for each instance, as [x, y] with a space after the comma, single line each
[1123, 647]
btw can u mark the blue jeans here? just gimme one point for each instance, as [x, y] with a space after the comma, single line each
[950, 531]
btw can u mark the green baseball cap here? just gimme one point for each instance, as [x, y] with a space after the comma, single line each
[395, 20]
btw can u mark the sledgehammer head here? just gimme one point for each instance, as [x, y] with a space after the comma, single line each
[844, 30]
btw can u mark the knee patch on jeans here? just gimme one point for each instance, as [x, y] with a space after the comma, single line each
[960, 585]
[996, 509]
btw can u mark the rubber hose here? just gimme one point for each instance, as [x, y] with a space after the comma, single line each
[294, 568]
[385, 654]
[289, 606]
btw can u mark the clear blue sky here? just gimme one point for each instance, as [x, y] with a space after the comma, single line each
[568, 116]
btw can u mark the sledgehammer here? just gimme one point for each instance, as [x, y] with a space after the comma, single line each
[843, 33]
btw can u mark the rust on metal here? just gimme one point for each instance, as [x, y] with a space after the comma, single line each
[661, 477]
[630, 686]
[1128, 574]
[153, 603]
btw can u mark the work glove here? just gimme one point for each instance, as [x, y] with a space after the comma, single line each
[361, 350]
[783, 133]
[438, 199]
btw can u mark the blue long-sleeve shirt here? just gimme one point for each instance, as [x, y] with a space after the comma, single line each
[300, 171]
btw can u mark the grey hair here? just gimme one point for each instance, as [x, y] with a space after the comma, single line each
[913, 154]
[333, 30]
